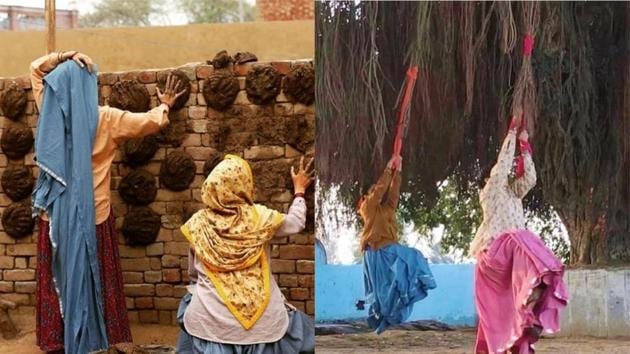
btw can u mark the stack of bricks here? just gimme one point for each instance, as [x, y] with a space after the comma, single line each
[156, 276]
[286, 10]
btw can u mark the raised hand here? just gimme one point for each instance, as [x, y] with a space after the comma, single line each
[81, 59]
[517, 118]
[524, 136]
[170, 94]
[303, 178]
[395, 163]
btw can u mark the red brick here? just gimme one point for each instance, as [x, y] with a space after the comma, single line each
[288, 280]
[131, 252]
[139, 290]
[6, 286]
[147, 77]
[133, 316]
[310, 307]
[155, 249]
[166, 303]
[299, 294]
[169, 261]
[32, 262]
[305, 266]
[156, 264]
[204, 71]
[296, 252]
[21, 262]
[19, 299]
[164, 290]
[27, 249]
[144, 302]
[132, 277]
[282, 66]
[300, 239]
[19, 274]
[243, 69]
[299, 305]
[305, 281]
[148, 316]
[171, 275]
[154, 276]
[25, 287]
[176, 248]
[179, 291]
[282, 266]
[135, 264]
[6, 262]
[165, 317]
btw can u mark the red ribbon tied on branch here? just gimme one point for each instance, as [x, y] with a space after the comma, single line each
[528, 45]
[403, 113]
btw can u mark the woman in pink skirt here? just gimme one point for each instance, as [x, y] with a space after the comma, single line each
[519, 289]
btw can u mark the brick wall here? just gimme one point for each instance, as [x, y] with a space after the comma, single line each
[286, 10]
[155, 276]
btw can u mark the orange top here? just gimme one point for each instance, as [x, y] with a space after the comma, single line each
[378, 212]
[114, 127]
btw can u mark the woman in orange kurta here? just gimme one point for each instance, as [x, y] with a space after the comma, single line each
[114, 127]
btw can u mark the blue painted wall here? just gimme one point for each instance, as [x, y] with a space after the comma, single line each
[338, 287]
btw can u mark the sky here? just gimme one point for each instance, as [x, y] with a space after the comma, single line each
[174, 16]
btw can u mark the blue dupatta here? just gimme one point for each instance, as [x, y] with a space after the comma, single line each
[64, 190]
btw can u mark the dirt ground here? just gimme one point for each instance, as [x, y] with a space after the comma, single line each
[455, 342]
[142, 334]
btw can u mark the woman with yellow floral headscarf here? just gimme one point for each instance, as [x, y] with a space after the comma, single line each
[235, 305]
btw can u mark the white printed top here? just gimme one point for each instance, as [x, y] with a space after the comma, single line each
[501, 200]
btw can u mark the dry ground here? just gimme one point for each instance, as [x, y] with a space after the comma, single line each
[455, 342]
[142, 334]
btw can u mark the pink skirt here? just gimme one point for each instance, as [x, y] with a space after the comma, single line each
[505, 276]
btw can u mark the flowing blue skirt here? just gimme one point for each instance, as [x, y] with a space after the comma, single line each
[395, 277]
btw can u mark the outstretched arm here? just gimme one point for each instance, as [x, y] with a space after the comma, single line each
[393, 194]
[125, 125]
[501, 170]
[384, 182]
[523, 184]
[295, 219]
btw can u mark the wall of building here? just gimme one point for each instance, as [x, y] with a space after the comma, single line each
[133, 48]
[285, 10]
[155, 276]
[339, 287]
[600, 303]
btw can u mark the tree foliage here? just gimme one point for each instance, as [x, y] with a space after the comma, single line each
[120, 13]
[217, 11]
[469, 57]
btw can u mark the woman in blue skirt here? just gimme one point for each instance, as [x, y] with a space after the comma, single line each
[395, 276]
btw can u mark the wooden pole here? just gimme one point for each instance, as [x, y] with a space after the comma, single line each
[50, 25]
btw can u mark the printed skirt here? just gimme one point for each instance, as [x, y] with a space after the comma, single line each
[48, 317]
[395, 278]
[506, 274]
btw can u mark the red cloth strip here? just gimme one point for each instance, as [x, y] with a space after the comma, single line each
[412, 74]
[520, 166]
[525, 146]
[528, 45]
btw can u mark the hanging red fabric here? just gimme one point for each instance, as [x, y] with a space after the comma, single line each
[403, 113]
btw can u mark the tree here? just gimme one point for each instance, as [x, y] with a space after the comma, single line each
[217, 11]
[468, 55]
[120, 13]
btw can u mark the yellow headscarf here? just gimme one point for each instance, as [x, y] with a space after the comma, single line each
[229, 237]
